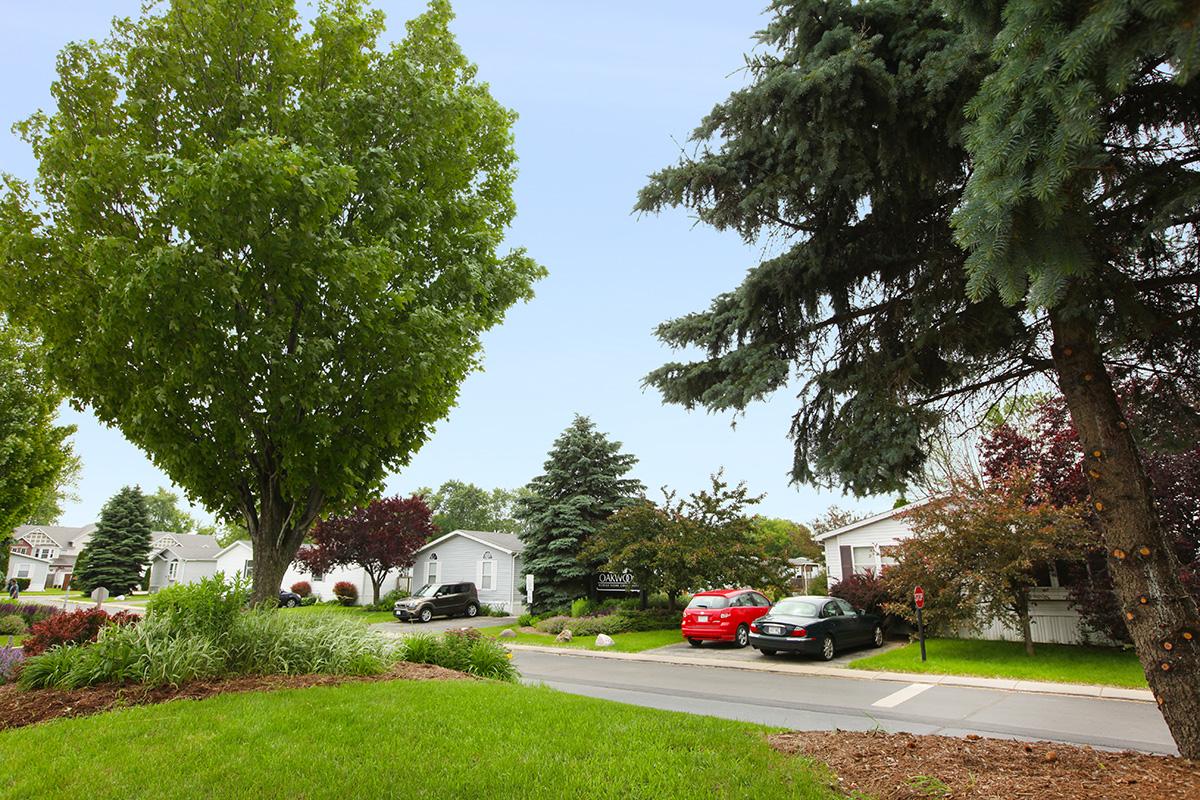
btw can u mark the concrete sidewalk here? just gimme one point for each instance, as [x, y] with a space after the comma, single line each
[1003, 684]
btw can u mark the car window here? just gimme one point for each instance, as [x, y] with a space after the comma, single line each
[846, 607]
[426, 591]
[760, 600]
[741, 601]
[708, 601]
[831, 610]
[795, 608]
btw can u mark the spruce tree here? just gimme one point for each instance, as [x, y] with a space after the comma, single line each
[120, 547]
[583, 485]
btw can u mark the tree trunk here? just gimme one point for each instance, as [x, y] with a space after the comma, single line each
[376, 584]
[1162, 618]
[643, 599]
[1026, 624]
[277, 529]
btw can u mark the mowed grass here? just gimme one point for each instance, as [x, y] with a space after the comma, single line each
[634, 642]
[441, 740]
[357, 613]
[1060, 663]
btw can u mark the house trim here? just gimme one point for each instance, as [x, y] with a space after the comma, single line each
[891, 512]
[465, 535]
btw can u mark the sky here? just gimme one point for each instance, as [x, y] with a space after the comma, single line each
[607, 93]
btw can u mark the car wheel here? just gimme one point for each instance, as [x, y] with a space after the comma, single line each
[695, 642]
[426, 615]
[742, 637]
[291, 603]
[877, 640]
[767, 652]
[472, 609]
[827, 649]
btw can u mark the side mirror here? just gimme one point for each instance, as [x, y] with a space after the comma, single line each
[859, 611]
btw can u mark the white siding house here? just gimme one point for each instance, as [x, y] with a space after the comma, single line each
[490, 560]
[865, 545]
[181, 558]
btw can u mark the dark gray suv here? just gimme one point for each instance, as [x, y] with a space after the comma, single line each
[439, 600]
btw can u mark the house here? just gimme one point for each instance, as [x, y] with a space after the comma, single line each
[185, 558]
[866, 545]
[490, 560]
[45, 554]
[803, 570]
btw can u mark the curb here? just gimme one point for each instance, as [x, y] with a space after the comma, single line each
[1002, 684]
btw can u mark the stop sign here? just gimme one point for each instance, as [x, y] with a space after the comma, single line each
[919, 597]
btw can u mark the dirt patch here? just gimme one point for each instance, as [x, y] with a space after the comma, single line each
[19, 707]
[901, 766]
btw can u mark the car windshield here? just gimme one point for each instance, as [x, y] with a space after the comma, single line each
[795, 608]
[427, 590]
[709, 601]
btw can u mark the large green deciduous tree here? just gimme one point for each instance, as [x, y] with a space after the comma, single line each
[584, 483]
[959, 204]
[164, 513]
[264, 250]
[35, 453]
[458, 505]
[115, 556]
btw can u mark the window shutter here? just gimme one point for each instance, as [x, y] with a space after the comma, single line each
[479, 575]
[847, 557]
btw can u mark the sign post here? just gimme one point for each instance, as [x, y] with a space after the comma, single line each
[919, 600]
[528, 589]
[99, 594]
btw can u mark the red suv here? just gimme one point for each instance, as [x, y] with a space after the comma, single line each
[723, 615]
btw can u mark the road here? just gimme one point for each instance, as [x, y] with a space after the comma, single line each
[805, 702]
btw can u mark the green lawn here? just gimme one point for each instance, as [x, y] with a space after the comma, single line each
[1062, 663]
[439, 740]
[354, 612]
[624, 642]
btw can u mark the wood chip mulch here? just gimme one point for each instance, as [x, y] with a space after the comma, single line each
[19, 707]
[901, 766]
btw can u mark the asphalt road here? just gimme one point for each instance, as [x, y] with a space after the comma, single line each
[803, 702]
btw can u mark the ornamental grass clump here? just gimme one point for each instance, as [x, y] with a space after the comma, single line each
[208, 607]
[269, 643]
[464, 650]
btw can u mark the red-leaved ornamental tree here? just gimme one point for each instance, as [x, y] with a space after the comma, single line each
[380, 537]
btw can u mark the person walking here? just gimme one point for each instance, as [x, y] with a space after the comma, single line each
[14, 589]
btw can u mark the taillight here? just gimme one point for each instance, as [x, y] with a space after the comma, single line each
[754, 627]
[799, 632]
[726, 615]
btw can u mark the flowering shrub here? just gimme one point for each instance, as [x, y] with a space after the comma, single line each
[345, 592]
[10, 660]
[302, 588]
[30, 612]
[12, 625]
[76, 627]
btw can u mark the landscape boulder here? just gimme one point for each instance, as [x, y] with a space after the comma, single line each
[565, 636]
[604, 640]
[508, 633]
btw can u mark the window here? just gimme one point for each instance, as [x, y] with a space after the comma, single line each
[741, 601]
[431, 570]
[887, 556]
[248, 569]
[759, 600]
[864, 559]
[23, 571]
[172, 569]
[845, 607]
[487, 574]
[830, 610]
[708, 601]
[47, 553]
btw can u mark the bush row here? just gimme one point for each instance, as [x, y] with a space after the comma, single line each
[465, 650]
[29, 612]
[620, 620]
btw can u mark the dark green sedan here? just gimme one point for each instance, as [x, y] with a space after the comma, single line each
[819, 626]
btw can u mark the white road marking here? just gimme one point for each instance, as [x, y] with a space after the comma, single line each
[907, 693]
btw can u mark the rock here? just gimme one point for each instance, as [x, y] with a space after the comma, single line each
[1051, 756]
[565, 636]
[508, 633]
[604, 640]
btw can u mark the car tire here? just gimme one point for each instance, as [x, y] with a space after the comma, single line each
[425, 615]
[695, 642]
[877, 637]
[291, 603]
[742, 637]
[828, 651]
[767, 652]
[472, 610]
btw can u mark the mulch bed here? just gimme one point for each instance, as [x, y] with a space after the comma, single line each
[901, 766]
[19, 707]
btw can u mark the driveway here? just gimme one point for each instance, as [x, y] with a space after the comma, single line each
[727, 651]
[438, 625]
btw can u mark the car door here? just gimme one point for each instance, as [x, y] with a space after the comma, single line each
[861, 629]
[759, 605]
[838, 623]
[743, 608]
[442, 599]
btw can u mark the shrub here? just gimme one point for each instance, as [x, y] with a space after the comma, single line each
[12, 625]
[492, 611]
[865, 590]
[23, 584]
[819, 585]
[207, 607]
[30, 612]
[76, 627]
[584, 607]
[10, 662]
[464, 650]
[311, 600]
[302, 588]
[345, 592]
[554, 624]
[389, 600]
[289, 644]
[527, 620]
[652, 619]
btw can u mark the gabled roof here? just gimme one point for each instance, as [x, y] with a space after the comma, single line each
[186, 546]
[891, 512]
[507, 542]
[59, 534]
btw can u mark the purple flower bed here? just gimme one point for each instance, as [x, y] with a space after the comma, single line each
[10, 659]
[30, 612]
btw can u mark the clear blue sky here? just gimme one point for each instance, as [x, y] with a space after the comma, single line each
[606, 93]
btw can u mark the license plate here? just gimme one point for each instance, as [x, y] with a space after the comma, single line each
[702, 618]
[774, 630]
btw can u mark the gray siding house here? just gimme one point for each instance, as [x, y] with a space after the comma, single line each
[491, 561]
